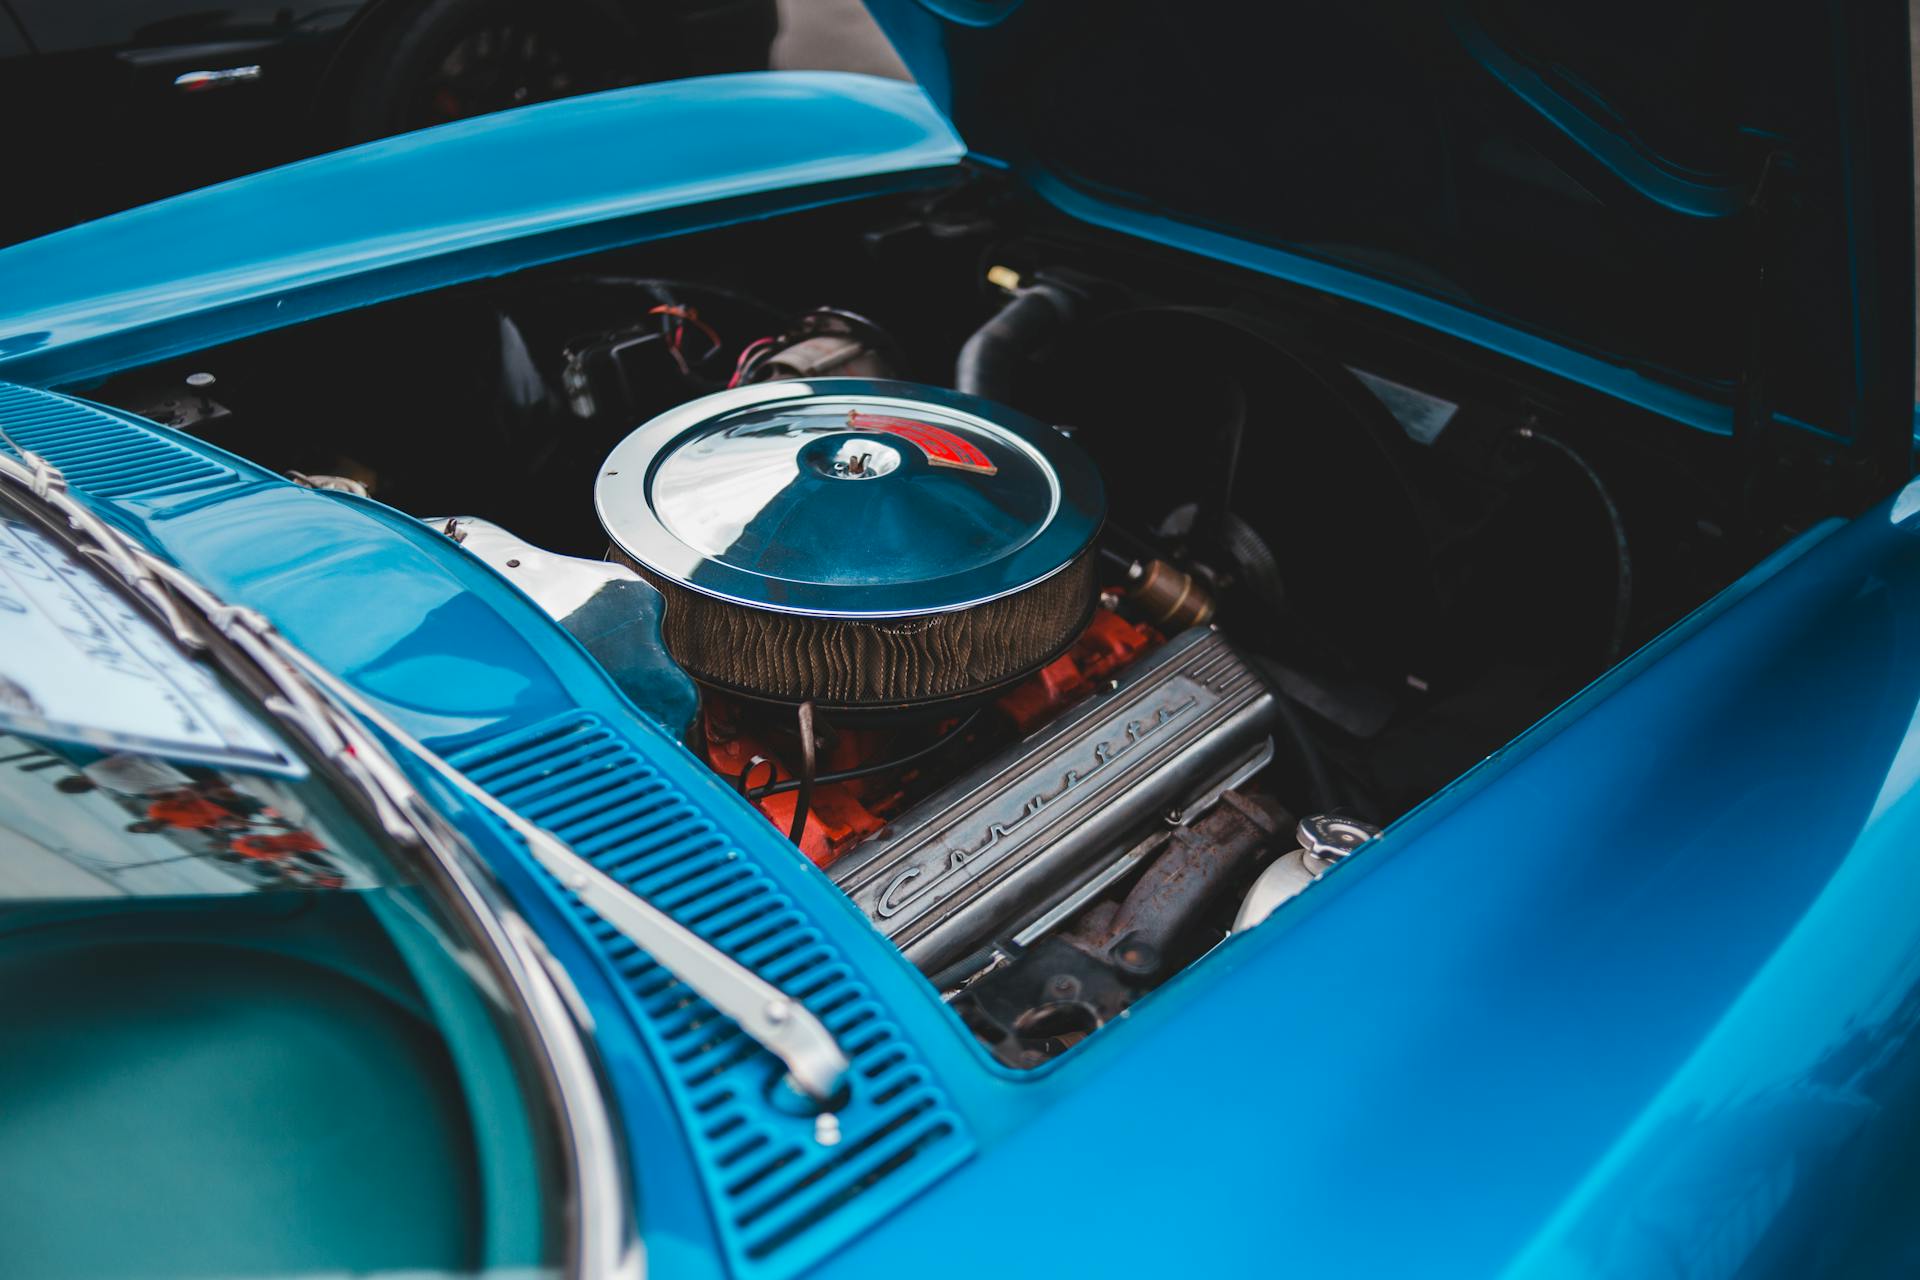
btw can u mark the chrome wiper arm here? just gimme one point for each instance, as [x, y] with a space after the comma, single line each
[603, 1241]
[311, 696]
[779, 1023]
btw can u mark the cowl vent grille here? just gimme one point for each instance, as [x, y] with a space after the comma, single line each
[782, 1199]
[101, 455]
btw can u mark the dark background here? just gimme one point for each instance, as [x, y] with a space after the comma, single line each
[837, 35]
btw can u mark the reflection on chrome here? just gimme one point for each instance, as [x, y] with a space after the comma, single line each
[603, 1241]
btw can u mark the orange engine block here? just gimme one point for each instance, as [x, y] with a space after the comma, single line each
[744, 743]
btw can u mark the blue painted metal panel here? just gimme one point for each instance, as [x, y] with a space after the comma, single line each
[1689, 194]
[1639, 996]
[1617, 379]
[470, 199]
[456, 655]
[1840, 110]
[1704, 407]
[106, 455]
[781, 1200]
[1642, 989]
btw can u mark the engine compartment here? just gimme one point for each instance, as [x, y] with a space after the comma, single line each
[1338, 562]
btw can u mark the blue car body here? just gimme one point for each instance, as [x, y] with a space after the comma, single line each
[1637, 995]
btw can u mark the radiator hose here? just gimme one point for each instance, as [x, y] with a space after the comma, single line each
[991, 361]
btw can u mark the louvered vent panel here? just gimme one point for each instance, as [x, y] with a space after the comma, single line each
[101, 455]
[783, 1200]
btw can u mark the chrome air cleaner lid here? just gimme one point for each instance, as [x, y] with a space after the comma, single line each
[849, 498]
[857, 543]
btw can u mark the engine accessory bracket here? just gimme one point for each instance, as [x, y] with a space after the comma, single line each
[612, 611]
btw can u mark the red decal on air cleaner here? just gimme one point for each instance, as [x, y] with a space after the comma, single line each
[942, 447]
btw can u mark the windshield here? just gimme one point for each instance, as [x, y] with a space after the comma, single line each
[235, 1014]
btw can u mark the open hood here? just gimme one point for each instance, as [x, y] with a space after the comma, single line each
[1711, 196]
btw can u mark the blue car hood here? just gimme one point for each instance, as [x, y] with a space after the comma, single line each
[1703, 196]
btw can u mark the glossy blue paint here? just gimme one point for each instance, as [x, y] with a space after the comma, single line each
[470, 199]
[1638, 996]
[1642, 988]
[1680, 192]
[1813, 133]
[1710, 412]
[779, 1198]
[458, 656]
[500, 193]
[1619, 380]
[1639, 992]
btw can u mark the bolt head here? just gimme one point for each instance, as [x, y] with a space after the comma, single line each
[1137, 958]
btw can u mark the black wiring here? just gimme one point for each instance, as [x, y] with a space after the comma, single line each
[866, 770]
[1323, 793]
[752, 356]
[1623, 559]
[667, 290]
[809, 761]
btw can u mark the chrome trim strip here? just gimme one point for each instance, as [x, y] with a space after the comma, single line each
[195, 81]
[603, 1237]
[623, 500]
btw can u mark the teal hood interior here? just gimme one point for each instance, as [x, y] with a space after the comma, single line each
[1713, 195]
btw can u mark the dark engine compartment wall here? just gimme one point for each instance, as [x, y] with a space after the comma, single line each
[456, 401]
[1425, 549]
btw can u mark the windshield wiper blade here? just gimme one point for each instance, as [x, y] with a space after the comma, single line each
[47, 484]
[311, 697]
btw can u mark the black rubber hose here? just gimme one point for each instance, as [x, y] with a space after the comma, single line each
[990, 362]
[1322, 792]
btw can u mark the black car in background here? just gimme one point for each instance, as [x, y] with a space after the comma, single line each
[110, 103]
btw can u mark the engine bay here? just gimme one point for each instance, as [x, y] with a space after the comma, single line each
[1071, 606]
